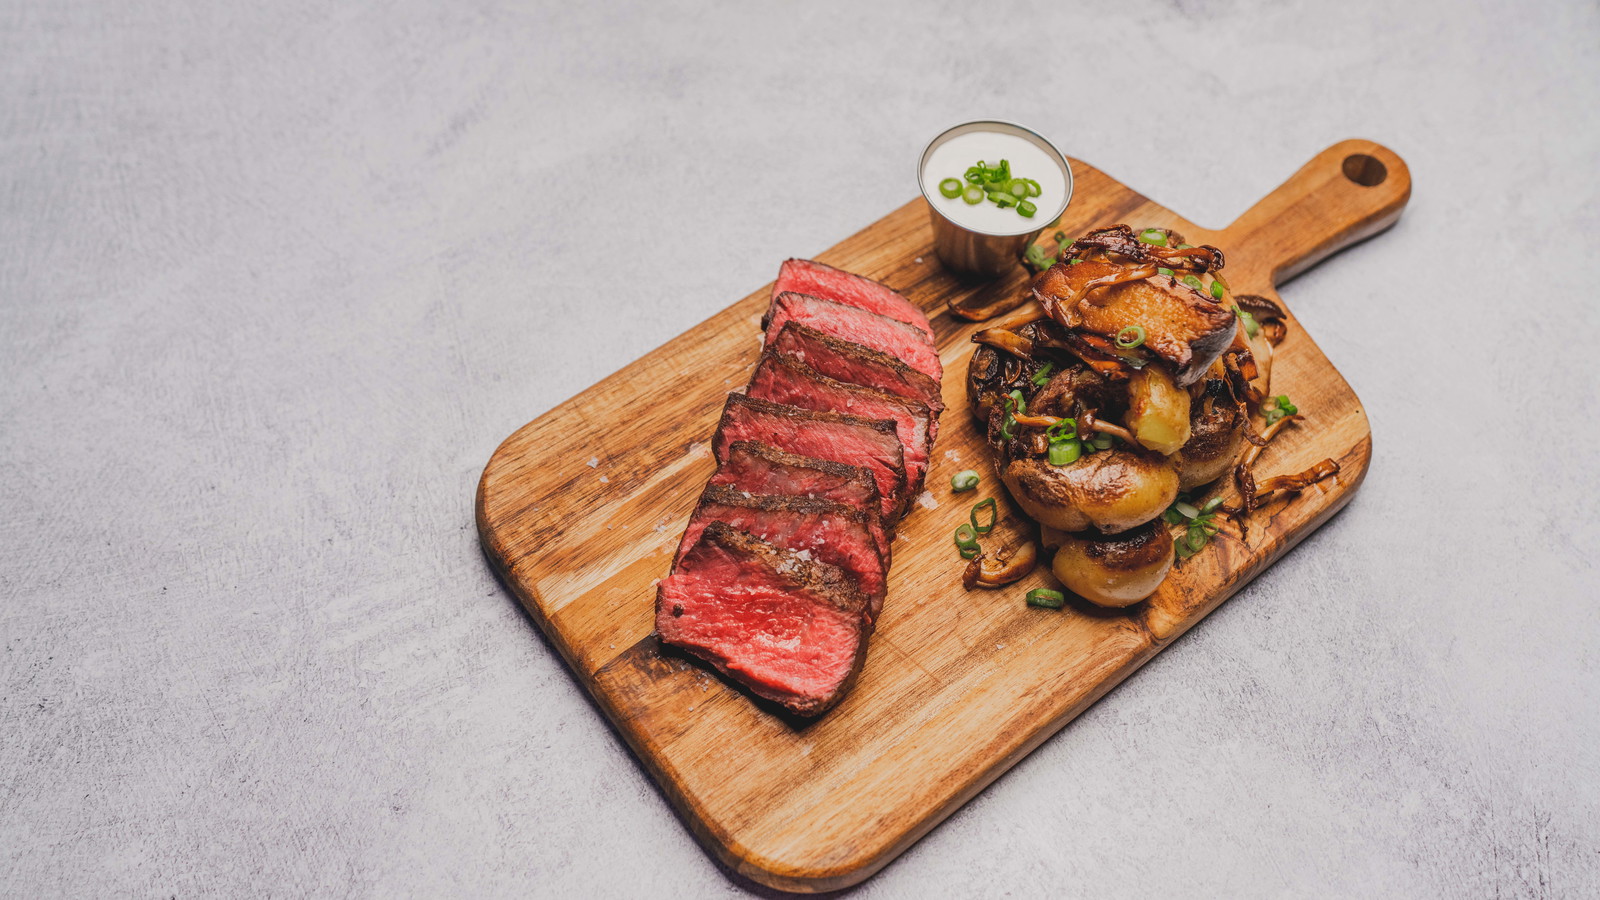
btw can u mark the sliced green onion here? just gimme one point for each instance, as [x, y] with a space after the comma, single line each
[1065, 453]
[994, 515]
[1002, 199]
[1251, 326]
[973, 195]
[966, 538]
[1172, 516]
[1185, 246]
[1026, 209]
[1019, 403]
[964, 481]
[1033, 187]
[951, 188]
[1037, 258]
[1076, 261]
[1018, 188]
[1063, 430]
[1043, 375]
[1186, 510]
[1046, 598]
[1061, 239]
[1154, 236]
[1130, 337]
[1193, 282]
[1196, 539]
[1277, 408]
[1211, 505]
[1102, 442]
[1162, 271]
[1216, 290]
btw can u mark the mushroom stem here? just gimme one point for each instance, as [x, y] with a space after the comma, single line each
[1003, 568]
[1002, 339]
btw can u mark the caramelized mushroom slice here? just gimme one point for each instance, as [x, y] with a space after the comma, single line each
[1000, 569]
[1120, 287]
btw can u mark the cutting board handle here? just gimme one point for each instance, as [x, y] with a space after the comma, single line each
[1346, 194]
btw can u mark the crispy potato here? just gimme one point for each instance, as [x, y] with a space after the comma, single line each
[1117, 570]
[1110, 490]
[1158, 410]
[1213, 446]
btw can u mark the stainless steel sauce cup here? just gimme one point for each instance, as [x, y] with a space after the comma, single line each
[980, 253]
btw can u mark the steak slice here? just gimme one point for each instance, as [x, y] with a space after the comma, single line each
[803, 276]
[837, 437]
[783, 379]
[886, 335]
[759, 468]
[789, 629]
[821, 530]
[849, 361]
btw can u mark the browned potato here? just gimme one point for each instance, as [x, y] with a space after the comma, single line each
[1158, 410]
[1213, 446]
[1111, 490]
[1117, 570]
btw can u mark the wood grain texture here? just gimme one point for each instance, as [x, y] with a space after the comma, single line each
[581, 520]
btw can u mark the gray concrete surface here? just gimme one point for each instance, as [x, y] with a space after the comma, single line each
[276, 278]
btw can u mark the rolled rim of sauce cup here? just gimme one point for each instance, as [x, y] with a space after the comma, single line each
[986, 250]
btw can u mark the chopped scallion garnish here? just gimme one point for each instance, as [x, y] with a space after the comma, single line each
[995, 183]
[1065, 453]
[1193, 282]
[1046, 598]
[1251, 326]
[1130, 337]
[964, 481]
[1154, 236]
[1163, 271]
[994, 516]
[1216, 290]
[1043, 375]
[1277, 408]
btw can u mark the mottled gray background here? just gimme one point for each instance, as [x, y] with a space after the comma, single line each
[276, 278]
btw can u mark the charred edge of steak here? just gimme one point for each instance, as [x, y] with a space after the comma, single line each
[811, 263]
[858, 475]
[927, 390]
[820, 580]
[912, 408]
[893, 323]
[727, 496]
[785, 411]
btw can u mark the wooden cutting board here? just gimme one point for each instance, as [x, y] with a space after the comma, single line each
[580, 511]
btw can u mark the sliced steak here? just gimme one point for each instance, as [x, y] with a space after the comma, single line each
[803, 276]
[850, 361]
[881, 333]
[784, 379]
[837, 437]
[815, 529]
[789, 629]
[759, 468]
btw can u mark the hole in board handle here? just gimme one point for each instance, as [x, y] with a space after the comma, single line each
[1367, 171]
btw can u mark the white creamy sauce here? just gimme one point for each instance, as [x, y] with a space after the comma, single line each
[952, 159]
